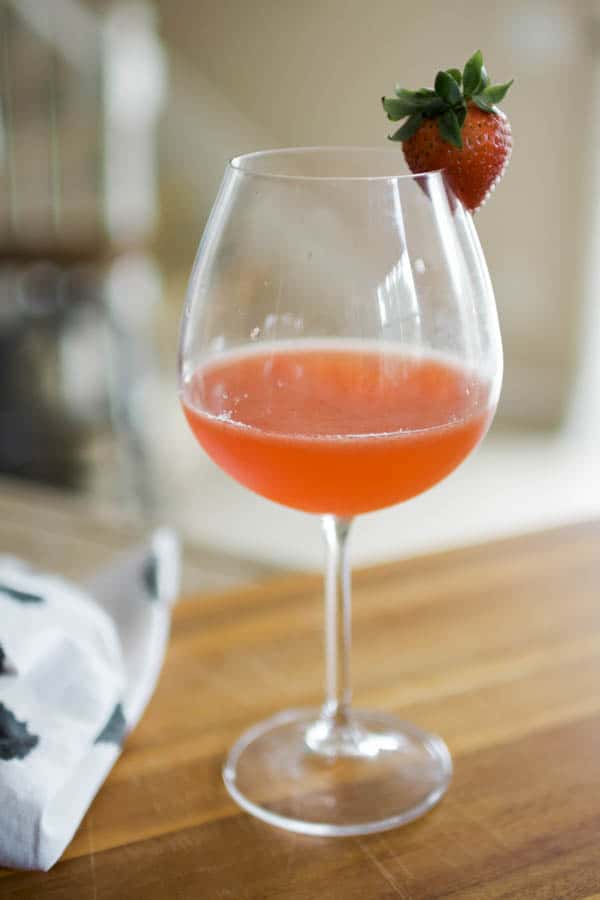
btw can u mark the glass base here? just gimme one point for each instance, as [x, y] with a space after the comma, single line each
[301, 772]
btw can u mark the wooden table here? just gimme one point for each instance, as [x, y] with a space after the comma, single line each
[496, 647]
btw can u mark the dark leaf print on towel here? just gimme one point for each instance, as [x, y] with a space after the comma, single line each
[114, 730]
[6, 667]
[15, 741]
[150, 577]
[20, 596]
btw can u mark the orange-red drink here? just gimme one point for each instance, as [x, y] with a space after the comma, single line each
[336, 427]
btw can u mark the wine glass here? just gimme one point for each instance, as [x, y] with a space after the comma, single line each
[340, 352]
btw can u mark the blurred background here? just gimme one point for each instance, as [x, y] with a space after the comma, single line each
[116, 122]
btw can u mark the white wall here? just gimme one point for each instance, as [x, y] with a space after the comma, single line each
[277, 72]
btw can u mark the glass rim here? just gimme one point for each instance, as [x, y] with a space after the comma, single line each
[237, 164]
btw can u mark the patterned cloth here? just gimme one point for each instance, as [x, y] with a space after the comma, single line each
[77, 669]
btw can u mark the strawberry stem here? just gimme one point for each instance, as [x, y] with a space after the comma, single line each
[447, 102]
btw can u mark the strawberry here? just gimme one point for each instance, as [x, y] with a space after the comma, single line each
[456, 127]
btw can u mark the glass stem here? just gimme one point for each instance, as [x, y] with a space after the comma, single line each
[338, 622]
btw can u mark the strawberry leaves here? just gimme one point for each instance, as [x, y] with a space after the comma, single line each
[450, 129]
[477, 87]
[397, 108]
[472, 74]
[447, 88]
[447, 103]
[410, 127]
[487, 98]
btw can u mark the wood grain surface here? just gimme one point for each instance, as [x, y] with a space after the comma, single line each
[497, 648]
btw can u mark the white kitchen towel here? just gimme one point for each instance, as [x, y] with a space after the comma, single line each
[77, 668]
